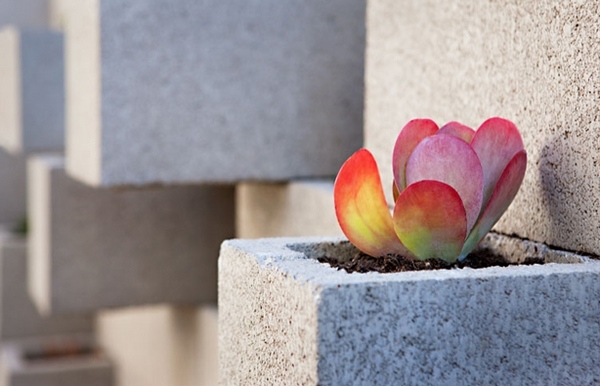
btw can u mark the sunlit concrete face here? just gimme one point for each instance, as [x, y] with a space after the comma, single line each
[534, 63]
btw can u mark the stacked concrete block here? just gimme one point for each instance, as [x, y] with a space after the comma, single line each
[96, 248]
[24, 13]
[187, 339]
[285, 318]
[297, 208]
[212, 91]
[534, 63]
[32, 90]
[13, 188]
[18, 317]
[29, 363]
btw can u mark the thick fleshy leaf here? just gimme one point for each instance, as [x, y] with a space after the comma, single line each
[447, 159]
[361, 208]
[410, 136]
[506, 190]
[430, 220]
[496, 142]
[458, 130]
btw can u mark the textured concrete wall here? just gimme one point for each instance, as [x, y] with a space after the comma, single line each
[534, 62]
[223, 91]
[298, 208]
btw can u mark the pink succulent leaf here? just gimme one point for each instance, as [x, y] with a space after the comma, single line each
[506, 190]
[411, 134]
[361, 209]
[458, 130]
[448, 159]
[430, 220]
[496, 142]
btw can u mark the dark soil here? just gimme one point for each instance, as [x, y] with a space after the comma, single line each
[362, 262]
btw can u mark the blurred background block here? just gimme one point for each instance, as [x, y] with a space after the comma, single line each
[32, 88]
[19, 318]
[55, 361]
[13, 189]
[97, 248]
[212, 91]
[24, 13]
[187, 338]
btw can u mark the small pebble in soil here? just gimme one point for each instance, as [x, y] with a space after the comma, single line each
[362, 262]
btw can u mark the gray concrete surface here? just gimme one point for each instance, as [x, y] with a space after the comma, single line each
[32, 113]
[223, 91]
[286, 319]
[13, 188]
[96, 248]
[533, 62]
[24, 13]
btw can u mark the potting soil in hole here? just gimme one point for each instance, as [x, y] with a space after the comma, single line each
[362, 262]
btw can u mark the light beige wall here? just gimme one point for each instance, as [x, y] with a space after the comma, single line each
[534, 62]
[161, 345]
[298, 208]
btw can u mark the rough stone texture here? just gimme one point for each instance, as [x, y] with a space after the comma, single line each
[24, 13]
[297, 208]
[18, 316]
[161, 345]
[96, 248]
[13, 188]
[534, 62]
[286, 319]
[278, 84]
[84, 370]
[32, 88]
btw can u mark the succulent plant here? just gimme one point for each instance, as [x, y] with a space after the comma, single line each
[451, 185]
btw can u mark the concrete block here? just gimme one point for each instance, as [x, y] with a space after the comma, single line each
[22, 366]
[212, 91]
[97, 248]
[24, 13]
[13, 188]
[18, 316]
[161, 345]
[297, 208]
[285, 318]
[533, 63]
[32, 88]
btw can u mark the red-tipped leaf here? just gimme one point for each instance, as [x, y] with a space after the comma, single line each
[361, 209]
[458, 130]
[496, 142]
[506, 190]
[448, 159]
[410, 136]
[430, 220]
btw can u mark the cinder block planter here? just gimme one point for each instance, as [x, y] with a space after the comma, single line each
[96, 248]
[18, 316]
[56, 361]
[32, 90]
[285, 318]
[163, 91]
